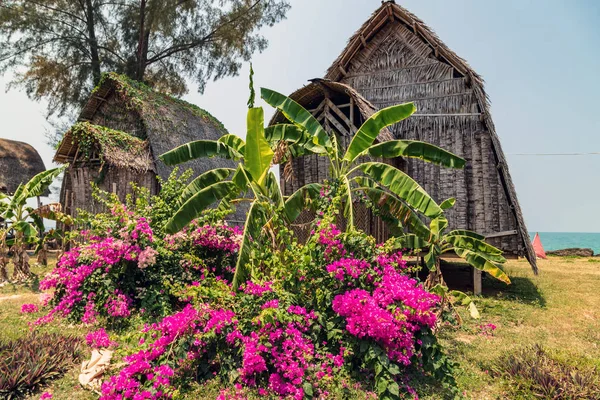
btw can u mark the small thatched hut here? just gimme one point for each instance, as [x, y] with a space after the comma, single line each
[395, 58]
[122, 130]
[19, 162]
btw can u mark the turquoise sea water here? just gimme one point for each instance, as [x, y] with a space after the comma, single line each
[563, 240]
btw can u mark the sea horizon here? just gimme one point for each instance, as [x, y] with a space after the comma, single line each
[563, 240]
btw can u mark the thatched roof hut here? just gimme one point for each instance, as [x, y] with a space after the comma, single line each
[121, 131]
[19, 162]
[395, 58]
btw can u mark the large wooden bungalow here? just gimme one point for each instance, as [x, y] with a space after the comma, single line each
[119, 135]
[395, 58]
[19, 162]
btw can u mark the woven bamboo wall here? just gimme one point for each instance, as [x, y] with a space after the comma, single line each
[397, 66]
[76, 192]
[332, 110]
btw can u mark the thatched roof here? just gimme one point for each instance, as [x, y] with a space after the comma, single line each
[311, 95]
[86, 142]
[19, 162]
[391, 12]
[164, 121]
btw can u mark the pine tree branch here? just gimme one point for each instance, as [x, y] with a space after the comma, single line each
[188, 46]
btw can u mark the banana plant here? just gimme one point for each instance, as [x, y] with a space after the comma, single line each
[305, 135]
[225, 185]
[469, 246]
[21, 223]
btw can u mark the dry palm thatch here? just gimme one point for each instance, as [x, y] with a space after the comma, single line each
[395, 57]
[19, 162]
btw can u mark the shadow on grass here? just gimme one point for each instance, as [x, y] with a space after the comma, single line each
[32, 285]
[459, 276]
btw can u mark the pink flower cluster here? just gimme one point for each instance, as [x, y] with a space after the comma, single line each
[147, 257]
[390, 315]
[145, 377]
[118, 306]
[281, 351]
[392, 260]
[46, 396]
[29, 308]
[216, 238]
[348, 267]
[256, 289]
[98, 256]
[328, 237]
[99, 339]
[487, 329]
[142, 230]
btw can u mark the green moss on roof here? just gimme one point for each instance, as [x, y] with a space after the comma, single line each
[141, 96]
[117, 147]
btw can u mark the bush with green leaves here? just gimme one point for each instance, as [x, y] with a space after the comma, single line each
[346, 311]
[126, 264]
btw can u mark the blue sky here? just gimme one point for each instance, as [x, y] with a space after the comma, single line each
[539, 58]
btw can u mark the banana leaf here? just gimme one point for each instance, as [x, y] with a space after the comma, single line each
[481, 263]
[301, 199]
[416, 149]
[480, 247]
[234, 141]
[462, 232]
[298, 115]
[409, 241]
[206, 179]
[258, 154]
[438, 224]
[194, 206]
[200, 149]
[402, 186]
[273, 190]
[42, 181]
[389, 204]
[296, 137]
[448, 203]
[348, 203]
[255, 221]
[368, 132]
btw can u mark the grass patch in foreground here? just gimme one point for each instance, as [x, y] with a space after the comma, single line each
[534, 371]
[559, 309]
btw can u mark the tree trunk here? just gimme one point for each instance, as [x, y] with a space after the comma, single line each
[42, 258]
[142, 50]
[91, 27]
[435, 277]
[20, 259]
[3, 267]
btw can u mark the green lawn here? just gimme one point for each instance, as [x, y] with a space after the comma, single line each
[559, 309]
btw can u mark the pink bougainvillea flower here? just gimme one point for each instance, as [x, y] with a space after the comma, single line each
[29, 308]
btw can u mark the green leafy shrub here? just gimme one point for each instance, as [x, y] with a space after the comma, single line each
[128, 265]
[311, 317]
[30, 361]
[535, 370]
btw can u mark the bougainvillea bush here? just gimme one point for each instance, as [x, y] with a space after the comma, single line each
[313, 320]
[126, 265]
[312, 316]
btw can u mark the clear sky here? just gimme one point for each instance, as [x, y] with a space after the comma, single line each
[540, 60]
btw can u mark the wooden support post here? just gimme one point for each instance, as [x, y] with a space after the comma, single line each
[477, 286]
[114, 187]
